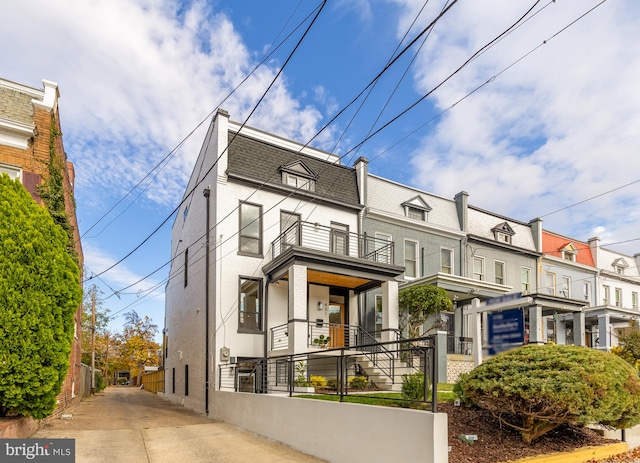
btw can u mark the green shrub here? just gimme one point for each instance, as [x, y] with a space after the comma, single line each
[39, 294]
[536, 388]
[357, 382]
[100, 384]
[332, 383]
[319, 382]
[413, 386]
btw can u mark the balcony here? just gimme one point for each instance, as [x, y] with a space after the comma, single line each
[333, 240]
[333, 257]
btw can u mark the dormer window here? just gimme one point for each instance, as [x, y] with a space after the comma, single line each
[416, 209]
[619, 265]
[503, 233]
[297, 175]
[569, 252]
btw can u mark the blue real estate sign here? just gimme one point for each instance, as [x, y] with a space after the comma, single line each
[506, 328]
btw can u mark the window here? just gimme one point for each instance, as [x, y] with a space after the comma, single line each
[250, 305]
[499, 272]
[297, 175]
[287, 222]
[568, 255]
[446, 261]
[339, 238]
[173, 380]
[586, 291]
[634, 300]
[14, 172]
[383, 248]
[186, 267]
[250, 229]
[503, 233]
[299, 182]
[550, 283]
[410, 259]
[525, 279]
[478, 268]
[607, 295]
[618, 296]
[566, 287]
[415, 213]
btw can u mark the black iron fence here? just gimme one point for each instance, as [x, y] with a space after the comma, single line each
[363, 369]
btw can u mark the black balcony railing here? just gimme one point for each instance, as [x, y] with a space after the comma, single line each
[321, 238]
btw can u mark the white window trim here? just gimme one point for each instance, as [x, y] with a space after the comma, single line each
[606, 294]
[550, 290]
[528, 290]
[504, 272]
[417, 261]
[483, 274]
[389, 239]
[617, 294]
[452, 254]
[634, 300]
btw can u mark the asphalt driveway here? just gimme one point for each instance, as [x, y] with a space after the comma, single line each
[125, 424]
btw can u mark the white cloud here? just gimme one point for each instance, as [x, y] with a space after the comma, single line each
[136, 78]
[560, 126]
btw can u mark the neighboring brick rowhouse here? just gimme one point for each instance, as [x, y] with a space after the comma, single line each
[29, 122]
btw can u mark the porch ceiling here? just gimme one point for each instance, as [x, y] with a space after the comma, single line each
[334, 279]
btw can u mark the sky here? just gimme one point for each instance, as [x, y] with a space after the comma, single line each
[529, 106]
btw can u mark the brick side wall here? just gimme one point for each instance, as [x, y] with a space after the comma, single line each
[34, 163]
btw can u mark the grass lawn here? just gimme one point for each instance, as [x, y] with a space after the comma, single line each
[386, 399]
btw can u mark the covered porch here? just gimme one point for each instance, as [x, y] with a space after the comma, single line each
[313, 283]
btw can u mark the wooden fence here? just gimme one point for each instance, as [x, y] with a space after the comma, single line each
[154, 381]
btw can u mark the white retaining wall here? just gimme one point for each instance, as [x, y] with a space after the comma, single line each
[339, 432]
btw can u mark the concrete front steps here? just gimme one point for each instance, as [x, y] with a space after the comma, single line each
[381, 378]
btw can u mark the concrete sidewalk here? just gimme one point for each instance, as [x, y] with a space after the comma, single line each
[124, 424]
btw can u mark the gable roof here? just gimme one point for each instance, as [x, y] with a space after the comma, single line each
[553, 245]
[505, 228]
[261, 162]
[417, 202]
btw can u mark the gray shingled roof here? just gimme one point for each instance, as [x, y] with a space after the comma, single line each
[16, 105]
[261, 162]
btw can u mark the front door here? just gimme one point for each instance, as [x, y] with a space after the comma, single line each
[336, 325]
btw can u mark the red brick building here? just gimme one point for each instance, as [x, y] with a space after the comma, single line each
[31, 141]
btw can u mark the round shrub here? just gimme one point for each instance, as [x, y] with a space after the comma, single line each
[358, 382]
[533, 389]
[319, 382]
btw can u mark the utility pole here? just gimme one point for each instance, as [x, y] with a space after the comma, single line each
[105, 372]
[93, 343]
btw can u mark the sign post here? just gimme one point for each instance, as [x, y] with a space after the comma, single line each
[505, 302]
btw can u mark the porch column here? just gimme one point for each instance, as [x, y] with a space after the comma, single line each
[561, 331]
[578, 329]
[535, 325]
[389, 310]
[604, 323]
[298, 321]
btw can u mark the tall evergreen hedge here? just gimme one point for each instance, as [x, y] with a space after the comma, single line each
[39, 294]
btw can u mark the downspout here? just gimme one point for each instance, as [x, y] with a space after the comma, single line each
[206, 193]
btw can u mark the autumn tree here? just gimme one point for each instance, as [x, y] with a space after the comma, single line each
[417, 303]
[137, 346]
[39, 294]
[629, 348]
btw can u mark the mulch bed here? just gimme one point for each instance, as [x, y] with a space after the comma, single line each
[497, 443]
